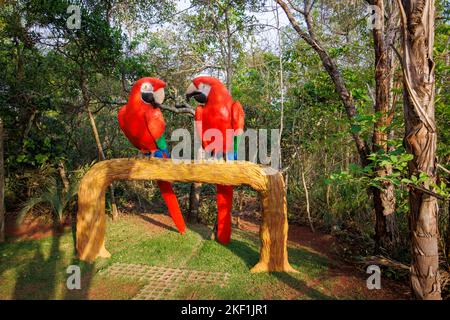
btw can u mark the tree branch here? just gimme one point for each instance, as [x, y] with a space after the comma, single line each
[293, 6]
[429, 192]
[180, 108]
[331, 68]
[443, 168]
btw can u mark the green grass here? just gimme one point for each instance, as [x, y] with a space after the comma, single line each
[37, 269]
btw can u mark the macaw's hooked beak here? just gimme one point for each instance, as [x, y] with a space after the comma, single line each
[197, 95]
[149, 97]
[193, 92]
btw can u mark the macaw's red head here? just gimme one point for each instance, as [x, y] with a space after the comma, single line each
[204, 89]
[148, 91]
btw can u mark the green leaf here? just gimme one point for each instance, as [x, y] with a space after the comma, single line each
[41, 158]
[393, 158]
[355, 128]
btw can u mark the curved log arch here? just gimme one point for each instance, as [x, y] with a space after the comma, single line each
[274, 227]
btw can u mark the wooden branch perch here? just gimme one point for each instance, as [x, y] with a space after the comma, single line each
[91, 219]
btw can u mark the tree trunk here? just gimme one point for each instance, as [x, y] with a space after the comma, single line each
[101, 154]
[194, 202]
[229, 58]
[448, 234]
[2, 186]
[386, 237]
[307, 199]
[386, 233]
[63, 175]
[31, 117]
[281, 69]
[420, 140]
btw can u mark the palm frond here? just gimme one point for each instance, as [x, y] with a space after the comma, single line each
[28, 206]
[52, 195]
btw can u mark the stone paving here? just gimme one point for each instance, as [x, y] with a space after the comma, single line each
[162, 282]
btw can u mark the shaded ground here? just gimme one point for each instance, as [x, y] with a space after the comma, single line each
[36, 269]
[346, 279]
[33, 227]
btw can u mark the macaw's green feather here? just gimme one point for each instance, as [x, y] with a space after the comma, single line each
[161, 143]
[237, 140]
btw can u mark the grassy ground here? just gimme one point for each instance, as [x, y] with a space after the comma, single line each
[36, 269]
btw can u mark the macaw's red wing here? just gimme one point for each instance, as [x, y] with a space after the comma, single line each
[155, 123]
[133, 124]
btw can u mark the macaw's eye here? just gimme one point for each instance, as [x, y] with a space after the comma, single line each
[147, 87]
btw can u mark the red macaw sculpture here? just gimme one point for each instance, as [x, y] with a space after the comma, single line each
[143, 124]
[218, 111]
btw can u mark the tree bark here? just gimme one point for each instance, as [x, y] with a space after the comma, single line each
[420, 140]
[448, 234]
[194, 202]
[386, 233]
[386, 236]
[63, 175]
[2, 186]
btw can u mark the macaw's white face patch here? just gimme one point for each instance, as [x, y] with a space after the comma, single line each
[159, 95]
[147, 87]
[204, 88]
[150, 96]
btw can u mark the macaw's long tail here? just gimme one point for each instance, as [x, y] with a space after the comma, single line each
[172, 205]
[224, 204]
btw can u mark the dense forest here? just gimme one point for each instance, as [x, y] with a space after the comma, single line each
[361, 99]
